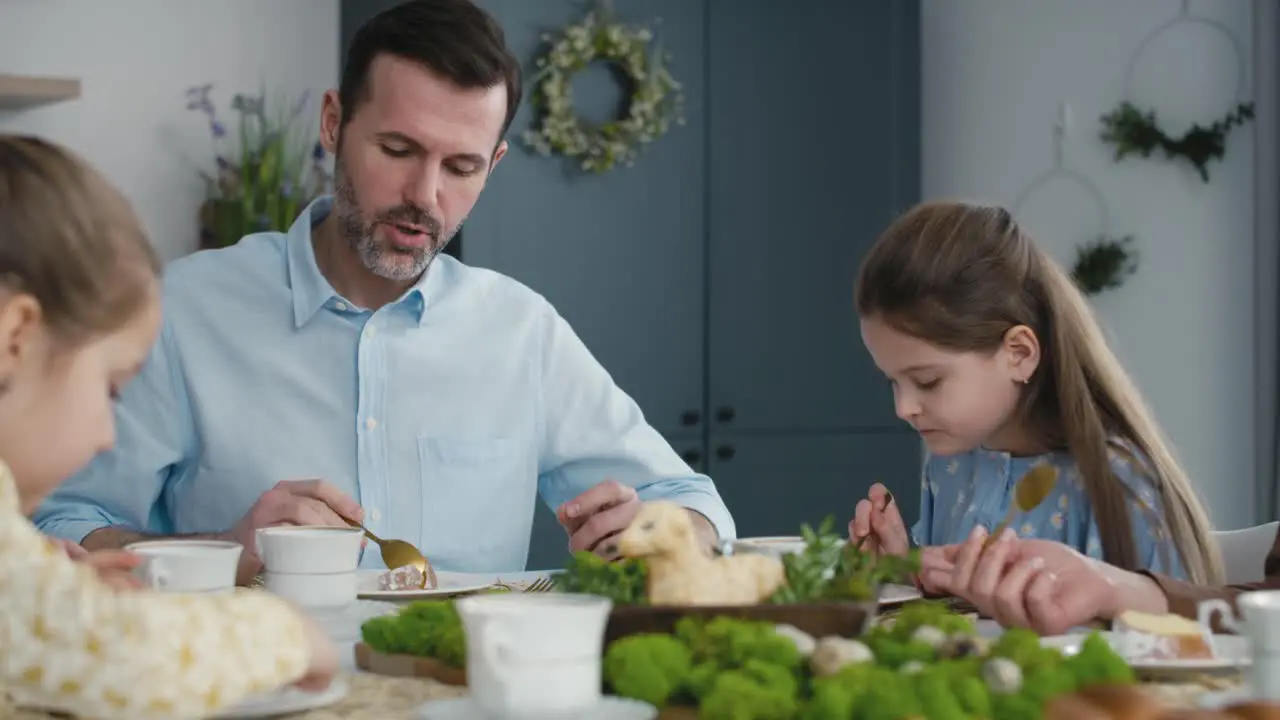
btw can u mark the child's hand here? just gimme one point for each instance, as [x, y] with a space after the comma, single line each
[114, 567]
[877, 519]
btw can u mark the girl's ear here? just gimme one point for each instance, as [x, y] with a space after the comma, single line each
[20, 319]
[1021, 351]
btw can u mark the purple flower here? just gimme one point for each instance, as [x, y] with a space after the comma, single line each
[198, 99]
[247, 105]
[218, 129]
[317, 152]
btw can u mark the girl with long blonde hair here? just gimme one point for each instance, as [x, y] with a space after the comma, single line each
[996, 358]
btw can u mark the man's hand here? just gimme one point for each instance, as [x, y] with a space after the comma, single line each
[1038, 584]
[594, 518]
[292, 502]
[114, 567]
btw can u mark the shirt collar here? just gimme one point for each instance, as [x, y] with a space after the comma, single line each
[311, 290]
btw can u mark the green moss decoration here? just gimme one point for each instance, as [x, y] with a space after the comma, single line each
[1134, 132]
[1104, 264]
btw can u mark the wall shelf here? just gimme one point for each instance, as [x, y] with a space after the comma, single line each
[19, 92]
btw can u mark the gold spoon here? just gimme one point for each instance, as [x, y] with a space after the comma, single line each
[1033, 489]
[398, 554]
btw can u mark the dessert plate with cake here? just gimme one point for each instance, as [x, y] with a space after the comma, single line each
[406, 583]
[1165, 643]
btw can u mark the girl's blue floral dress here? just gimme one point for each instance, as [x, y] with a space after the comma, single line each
[976, 488]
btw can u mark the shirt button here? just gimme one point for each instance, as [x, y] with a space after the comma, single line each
[371, 423]
[340, 306]
[371, 331]
[376, 514]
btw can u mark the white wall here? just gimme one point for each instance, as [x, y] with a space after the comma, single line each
[136, 58]
[995, 72]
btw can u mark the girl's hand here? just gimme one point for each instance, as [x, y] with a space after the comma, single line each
[877, 519]
[114, 567]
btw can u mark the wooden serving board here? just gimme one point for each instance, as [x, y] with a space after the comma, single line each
[370, 660]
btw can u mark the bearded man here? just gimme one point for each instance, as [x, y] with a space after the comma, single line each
[346, 370]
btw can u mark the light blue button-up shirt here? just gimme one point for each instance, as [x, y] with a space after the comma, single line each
[446, 413]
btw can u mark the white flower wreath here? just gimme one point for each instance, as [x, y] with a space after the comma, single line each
[655, 104]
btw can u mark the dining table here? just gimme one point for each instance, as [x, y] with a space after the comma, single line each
[385, 697]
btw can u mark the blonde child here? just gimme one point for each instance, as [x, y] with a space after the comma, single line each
[996, 359]
[79, 310]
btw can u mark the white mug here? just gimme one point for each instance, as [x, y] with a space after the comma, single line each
[309, 549]
[201, 566]
[535, 656]
[1261, 625]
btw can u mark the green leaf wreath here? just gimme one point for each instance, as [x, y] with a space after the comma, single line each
[655, 103]
[1134, 132]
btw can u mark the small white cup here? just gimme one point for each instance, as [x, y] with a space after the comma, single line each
[188, 566]
[534, 656]
[1261, 611]
[309, 549]
[317, 591]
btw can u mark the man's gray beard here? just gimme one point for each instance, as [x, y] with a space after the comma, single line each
[373, 256]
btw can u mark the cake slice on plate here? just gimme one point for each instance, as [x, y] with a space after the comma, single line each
[408, 577]
[1146, 636]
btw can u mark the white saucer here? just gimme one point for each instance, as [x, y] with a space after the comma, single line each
[610, 708]
[285, 701]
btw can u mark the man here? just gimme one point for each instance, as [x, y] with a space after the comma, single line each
[1051, 588]
[346, 370]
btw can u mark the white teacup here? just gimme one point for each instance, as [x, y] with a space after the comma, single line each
[200, 566]
[1261, 625]
[534, 656]
[313, 566]
[309, 549]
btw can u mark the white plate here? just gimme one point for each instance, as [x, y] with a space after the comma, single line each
[892, 594]
[1232, 651]
[448, 584]
[610, 708]
[285, 701]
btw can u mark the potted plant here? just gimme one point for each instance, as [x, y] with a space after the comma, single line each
[265, 174]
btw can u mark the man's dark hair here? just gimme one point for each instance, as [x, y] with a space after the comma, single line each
[455, 39]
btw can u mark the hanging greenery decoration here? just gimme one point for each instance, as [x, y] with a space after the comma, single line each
[656, 99]
[1134, 132]
[1104, 264]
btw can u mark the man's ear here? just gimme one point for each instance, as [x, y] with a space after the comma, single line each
[1021, 350]
[330, 122]
[498, 153]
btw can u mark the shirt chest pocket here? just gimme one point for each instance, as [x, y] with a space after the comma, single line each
[478, 495]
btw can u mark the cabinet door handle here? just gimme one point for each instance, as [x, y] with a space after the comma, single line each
[725, 452]
[691, 456]
[690, 418]
[725, 414]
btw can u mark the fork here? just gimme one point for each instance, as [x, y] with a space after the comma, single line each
[541, 585]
